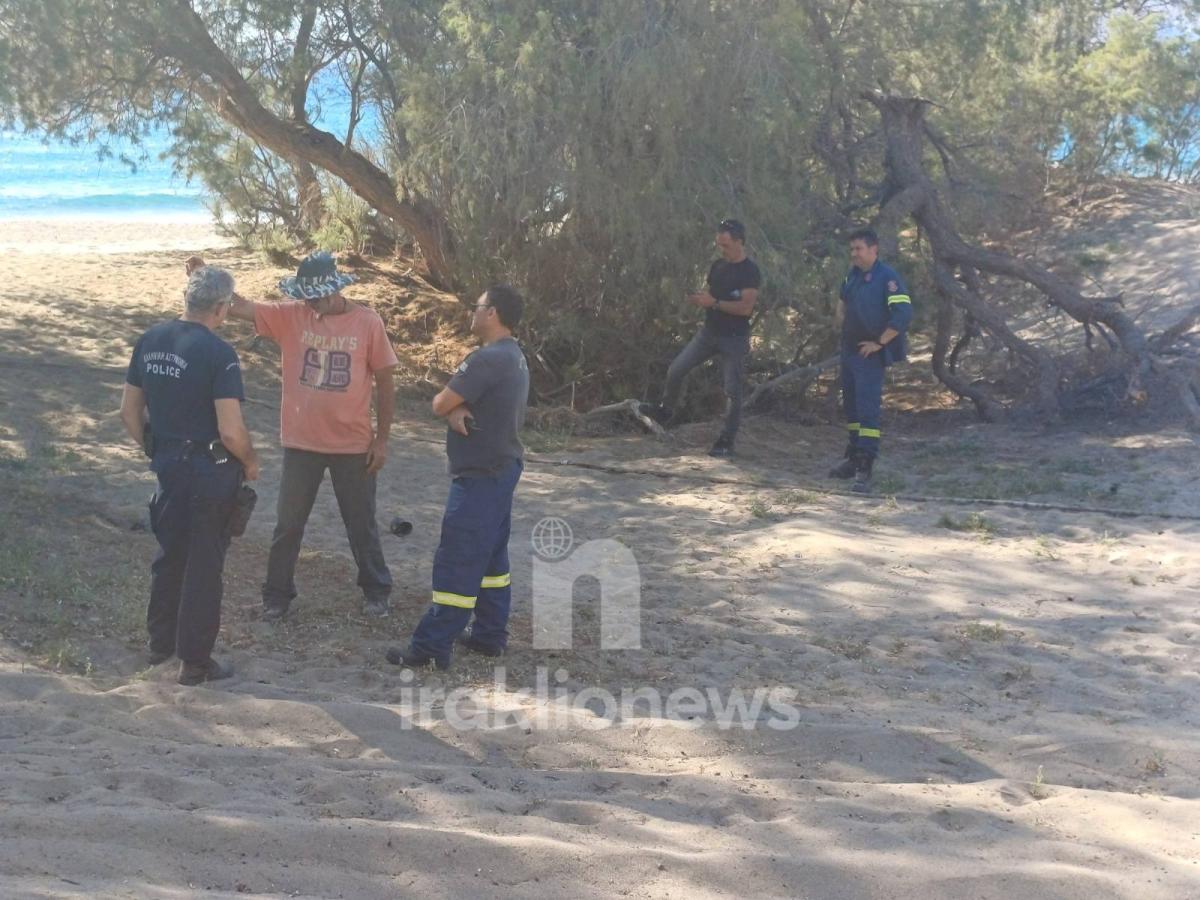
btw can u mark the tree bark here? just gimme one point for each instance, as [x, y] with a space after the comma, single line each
[308, 188]
[968, 297]
[988, 408]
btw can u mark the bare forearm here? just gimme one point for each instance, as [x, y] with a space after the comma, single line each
[735, 307]
[241, 308]
[133, 411]
[237, 441]
[446, 402]
[887, 335]
[135, 422]
[385, 403]
[232, 429]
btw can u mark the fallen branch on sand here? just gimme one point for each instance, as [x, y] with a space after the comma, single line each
[803, 375]
[633, 407]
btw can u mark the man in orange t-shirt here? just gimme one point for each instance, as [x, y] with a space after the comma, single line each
[332, 352]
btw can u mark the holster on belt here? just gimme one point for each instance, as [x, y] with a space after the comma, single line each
[243, 506]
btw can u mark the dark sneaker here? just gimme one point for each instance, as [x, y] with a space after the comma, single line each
[655, 411]
[378, 608]
[480, 647]
[845, 469]
[272, 613]
[191, 674]
[398, 657]
[722, 449]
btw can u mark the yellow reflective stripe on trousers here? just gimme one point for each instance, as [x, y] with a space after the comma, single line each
[899, 298]
[853, 426]
[497, 581]
[445, 598]
[868, 432]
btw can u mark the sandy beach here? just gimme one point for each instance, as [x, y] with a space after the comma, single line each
[987, 701]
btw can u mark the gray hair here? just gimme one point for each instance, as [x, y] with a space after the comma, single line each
[206, 287]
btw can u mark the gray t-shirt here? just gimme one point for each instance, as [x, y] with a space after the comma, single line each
[494, 380]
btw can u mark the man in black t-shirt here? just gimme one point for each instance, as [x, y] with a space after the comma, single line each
[188, 383]
[733, 283]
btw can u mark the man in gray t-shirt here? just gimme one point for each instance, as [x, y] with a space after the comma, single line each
[493, 383]
[484, 407]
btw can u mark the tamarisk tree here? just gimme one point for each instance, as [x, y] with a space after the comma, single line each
[90, 69]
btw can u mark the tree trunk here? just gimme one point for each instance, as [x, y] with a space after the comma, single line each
[224, 88]
[985, 405]
[903, 124]
[910, 191]
[312, 199]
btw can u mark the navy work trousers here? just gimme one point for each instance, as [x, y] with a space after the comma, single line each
[470, 568]
[189, 515]
[862, 399]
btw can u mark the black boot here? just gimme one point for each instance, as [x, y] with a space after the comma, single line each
[847, 467]
[862, 473]
[398, 657]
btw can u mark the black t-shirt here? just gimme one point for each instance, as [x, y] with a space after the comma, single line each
[183, 367]
[723, 279]
[494, 380]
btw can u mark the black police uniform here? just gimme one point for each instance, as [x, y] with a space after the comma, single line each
[183, 368]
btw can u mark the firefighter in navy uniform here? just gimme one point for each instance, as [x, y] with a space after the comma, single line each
[876, 311]
[188, 383]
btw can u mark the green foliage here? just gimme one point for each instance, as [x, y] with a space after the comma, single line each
[585, 150]
[348, 223]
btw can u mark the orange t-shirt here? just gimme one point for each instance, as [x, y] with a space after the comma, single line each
[328, 363]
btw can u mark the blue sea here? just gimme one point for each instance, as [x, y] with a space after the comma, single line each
[56, 179]
[48, 180]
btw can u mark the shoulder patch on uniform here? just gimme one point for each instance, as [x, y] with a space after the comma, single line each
[893, 286]
[462, 366]
[232, 365]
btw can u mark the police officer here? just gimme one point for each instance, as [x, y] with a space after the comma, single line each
[484, 407]
[728, 302]
[875, 312]
[190, 383]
